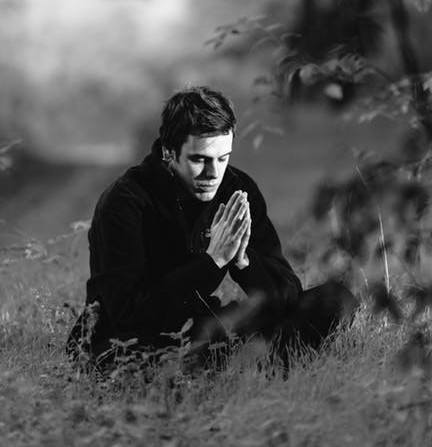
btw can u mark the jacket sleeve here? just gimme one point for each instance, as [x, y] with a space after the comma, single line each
[269, 275]
[122, 278]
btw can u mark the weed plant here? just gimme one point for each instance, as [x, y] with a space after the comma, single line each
[369, 385]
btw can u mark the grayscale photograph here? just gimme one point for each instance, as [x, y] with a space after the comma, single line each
[215, 223]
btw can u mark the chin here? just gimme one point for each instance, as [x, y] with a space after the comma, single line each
[205, 196]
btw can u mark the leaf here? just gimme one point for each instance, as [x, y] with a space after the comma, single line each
[262, 80]
[275, 130]
[81, 225]
[309, 74]
[9, 146]
[249, 128]
[52, 259]
[427, 83]
[422, 297]
[35, 250]
[413, 202]
[352, 242]
[422, 5]
[323, 199]
[411, 250]
[404, 108]
[213, 41]
[293, 83]
[123, 344]
[257, 141]
[333, 91]
[275, 27]
[262, 41]
[290, 36]
[186, 326]
[257, 18]
[5, 163]
[368, 116]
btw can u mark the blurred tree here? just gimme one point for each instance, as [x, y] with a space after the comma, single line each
[330, 49]
[333, 48]
[325, 32]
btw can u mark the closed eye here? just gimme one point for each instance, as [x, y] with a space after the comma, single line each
[197, 159]
[205, 159]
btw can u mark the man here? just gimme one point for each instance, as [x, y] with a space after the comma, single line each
[165, 234]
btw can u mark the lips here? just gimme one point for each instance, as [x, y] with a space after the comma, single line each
[206, 186]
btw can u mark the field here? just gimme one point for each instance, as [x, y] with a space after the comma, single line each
[369, 387]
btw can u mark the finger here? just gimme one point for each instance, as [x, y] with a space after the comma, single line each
[247, 233]
[235, 221]
[218, 215]
[243, 245]
[233, 206]
[241, 230]
[250, 220]
[245, 211]
[234, 197]
[239, 213]
[238, 208]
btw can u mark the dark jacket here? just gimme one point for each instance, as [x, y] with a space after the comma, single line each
[149, 269]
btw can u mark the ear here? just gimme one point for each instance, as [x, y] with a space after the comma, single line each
[167, 155]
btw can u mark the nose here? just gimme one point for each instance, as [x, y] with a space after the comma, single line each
[211, 170]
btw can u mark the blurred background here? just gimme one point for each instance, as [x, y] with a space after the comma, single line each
[83, 83]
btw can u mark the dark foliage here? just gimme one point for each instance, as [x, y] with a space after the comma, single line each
[352, 242]
[422, 297]
[323, 199]
[326, 49]
[381, 248]
[412, 201]
[322, 26]
[411, 249]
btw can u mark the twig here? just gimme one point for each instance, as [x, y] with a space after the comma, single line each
[419, 403]
[211, 311]
[382, 236]
[386, 268]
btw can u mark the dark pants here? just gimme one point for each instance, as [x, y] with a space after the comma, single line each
[319, 311]
[317, 314]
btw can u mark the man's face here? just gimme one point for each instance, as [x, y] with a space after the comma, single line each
[202, 164]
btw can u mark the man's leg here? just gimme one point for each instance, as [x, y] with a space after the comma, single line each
[320, 310]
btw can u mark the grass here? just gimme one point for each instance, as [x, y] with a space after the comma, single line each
[351, 394]
[368, 388]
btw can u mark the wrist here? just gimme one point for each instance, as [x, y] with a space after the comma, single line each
[218, 261]
[243, 262]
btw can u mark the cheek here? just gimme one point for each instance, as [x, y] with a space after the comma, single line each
[223, 168]
[195, 170]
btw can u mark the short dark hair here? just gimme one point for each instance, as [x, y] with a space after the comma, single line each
[197, 111]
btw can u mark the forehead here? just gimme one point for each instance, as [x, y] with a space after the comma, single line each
[213, 146]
